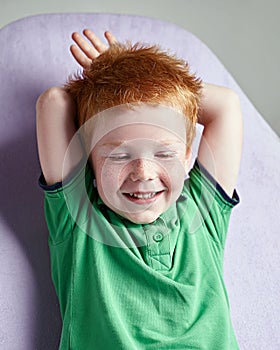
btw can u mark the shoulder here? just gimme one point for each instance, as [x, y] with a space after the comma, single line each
[202, 183]
[206, 206]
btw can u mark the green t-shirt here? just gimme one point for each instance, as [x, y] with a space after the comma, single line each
[129, 286]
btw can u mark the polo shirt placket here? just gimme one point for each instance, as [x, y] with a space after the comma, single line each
[158, 246]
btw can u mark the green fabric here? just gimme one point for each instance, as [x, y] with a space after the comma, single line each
[166, 293]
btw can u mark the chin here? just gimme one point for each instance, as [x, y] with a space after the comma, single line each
[144, 218]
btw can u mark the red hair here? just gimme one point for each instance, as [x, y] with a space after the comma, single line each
[127, 73]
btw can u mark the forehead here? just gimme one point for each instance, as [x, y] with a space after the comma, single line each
[153, 122]
[139, 134]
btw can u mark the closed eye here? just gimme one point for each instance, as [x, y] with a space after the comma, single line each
[166, 155]
[118, 157]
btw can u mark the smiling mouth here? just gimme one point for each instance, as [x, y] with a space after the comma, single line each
[142, 196]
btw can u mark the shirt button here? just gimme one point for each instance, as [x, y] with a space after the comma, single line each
[158, 237]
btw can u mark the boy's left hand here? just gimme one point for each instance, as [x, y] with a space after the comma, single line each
[83, 52]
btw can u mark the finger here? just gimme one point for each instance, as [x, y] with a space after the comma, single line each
[83, 60]
[96, 42]
[110, 38]
[84, 46]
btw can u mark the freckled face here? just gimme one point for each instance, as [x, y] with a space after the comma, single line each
[140, 169]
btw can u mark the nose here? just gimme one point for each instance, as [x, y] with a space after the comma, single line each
[142, 170]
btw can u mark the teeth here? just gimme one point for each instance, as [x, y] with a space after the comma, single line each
[143, 195]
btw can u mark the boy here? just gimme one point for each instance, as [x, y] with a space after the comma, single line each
[137, 249]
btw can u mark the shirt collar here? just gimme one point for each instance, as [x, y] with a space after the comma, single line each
[169, 218]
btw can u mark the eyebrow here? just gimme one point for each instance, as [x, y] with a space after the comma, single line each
[119, 143]
[116, 143]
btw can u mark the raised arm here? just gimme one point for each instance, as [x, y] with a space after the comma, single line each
[55, 113]
[221, 143]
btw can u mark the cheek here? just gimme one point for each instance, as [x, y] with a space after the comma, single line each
[175, 170]
[108, 176]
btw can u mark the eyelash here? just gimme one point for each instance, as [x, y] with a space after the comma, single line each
[167, 155]
[121, 157]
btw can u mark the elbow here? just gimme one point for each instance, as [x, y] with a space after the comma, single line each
[52, 96]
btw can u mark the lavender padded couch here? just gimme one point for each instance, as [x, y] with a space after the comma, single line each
[34, 55]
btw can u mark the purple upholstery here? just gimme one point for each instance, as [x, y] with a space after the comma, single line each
[34, 56]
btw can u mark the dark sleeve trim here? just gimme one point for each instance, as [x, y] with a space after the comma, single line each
[57, 185]
[232, 200]
[42, 183]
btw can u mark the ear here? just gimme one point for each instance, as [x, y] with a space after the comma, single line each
[188, 159]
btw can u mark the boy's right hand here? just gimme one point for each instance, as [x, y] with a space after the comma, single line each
[83, 52]
[55, 113]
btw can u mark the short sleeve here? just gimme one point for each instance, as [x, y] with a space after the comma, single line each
[213, 204]
[63, 201]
